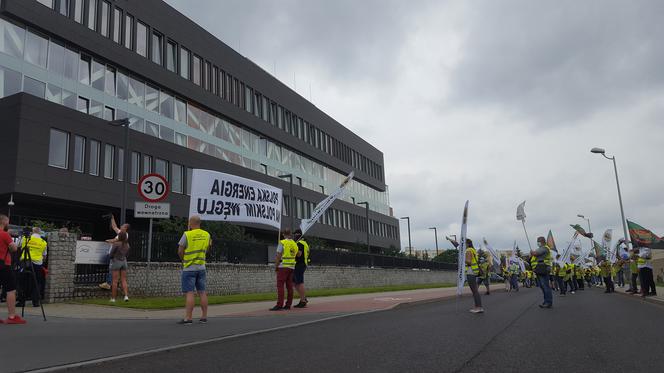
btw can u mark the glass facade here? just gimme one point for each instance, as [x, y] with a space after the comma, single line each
[58, 149]
[161, 114]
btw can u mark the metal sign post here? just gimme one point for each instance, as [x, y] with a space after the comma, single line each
[152, 188]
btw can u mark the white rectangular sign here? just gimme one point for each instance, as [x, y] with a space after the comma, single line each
[224, 197]
[92, 252]
[153, 210]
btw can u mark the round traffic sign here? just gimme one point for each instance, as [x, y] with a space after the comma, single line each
[153, 188]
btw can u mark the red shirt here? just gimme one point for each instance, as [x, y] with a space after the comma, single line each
[5, 241]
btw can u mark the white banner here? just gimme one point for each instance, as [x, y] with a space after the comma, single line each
[223, 197]
[494, 254]
[322, 206]
[461, 271]
[606, 243]
[568, 251]
[92, 252]
[521, 212]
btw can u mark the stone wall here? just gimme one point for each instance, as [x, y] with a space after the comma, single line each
[61, 268]
[164, 278]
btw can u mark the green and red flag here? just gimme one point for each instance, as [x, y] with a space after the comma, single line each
[550, 242]
[581, 231]
[643, 237]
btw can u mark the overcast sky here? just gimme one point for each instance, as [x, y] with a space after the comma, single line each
[491, 101]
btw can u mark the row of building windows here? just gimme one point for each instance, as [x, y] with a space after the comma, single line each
[97, 158]
[101, 16]
[63, 61]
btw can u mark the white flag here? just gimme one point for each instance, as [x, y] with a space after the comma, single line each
[461, 271]
[323, 205]
[520, 211]
[606, 243]
[494, 254]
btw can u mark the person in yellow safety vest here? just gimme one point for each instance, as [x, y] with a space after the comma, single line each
[485, 272]
[285, 265]
[301, 262]
[634, 270]
[192, 249]
[579, 273]
[617, 272]
[33, 248]
[533, 263]
[472, 271]
[558, 275]
[568, 270]
[542, 269]
[644, 263]
[605, 269]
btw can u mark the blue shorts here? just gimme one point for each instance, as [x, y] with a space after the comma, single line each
[193, 280]
[298, 275]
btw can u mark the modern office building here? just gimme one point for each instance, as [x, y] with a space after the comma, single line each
[68, 67]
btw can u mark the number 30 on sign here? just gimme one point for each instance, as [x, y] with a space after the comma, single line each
[153, 188]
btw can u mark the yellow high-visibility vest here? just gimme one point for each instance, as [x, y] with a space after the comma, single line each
[305, 246]
[289, 254]
[36, 246]
[198, 242]
[474, 266]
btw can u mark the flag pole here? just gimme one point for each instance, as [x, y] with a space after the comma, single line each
[524, 229]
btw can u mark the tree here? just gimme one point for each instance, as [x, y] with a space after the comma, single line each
[447, 256]
[217, 229]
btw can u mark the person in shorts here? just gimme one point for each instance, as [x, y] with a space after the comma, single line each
[7, 278]
[192, 249]
[118, 266]
[106, 285]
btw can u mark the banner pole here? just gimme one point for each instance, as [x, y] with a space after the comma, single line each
[527, 238]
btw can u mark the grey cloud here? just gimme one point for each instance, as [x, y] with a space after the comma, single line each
[559, 62]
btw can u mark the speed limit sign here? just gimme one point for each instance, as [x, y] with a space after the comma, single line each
[153, 188]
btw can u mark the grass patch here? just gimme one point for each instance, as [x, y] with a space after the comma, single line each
[164, 303]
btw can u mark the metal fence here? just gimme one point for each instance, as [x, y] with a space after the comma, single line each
[164, 249]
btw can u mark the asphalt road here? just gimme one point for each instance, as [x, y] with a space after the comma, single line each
[586, 332]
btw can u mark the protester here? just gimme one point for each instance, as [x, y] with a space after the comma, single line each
[634, 270]
[7, 278]
[472, 271]
[605, 270]
[301, 263]
[568, 270]
[558, 274]
[34, 247]
[114, 227]
[543, 268]
[284, 266]
[644, 262]
[485, 272]
[579, 273]
[515, 271]
[119, 253]
[192, 249]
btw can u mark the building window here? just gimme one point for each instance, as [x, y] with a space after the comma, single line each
[71, 64]
[69, 99]
[83, 105]
[78, 11]
[206, 76]
[196, 70]
[34, 87]
[135, 167]
[166, 105]
[94, 157]
[56, 58]
[63, 7]
[171, 56]
[105, 18]
[84, 70]
[92, 14]
[176, 178]
[97, 75]
[54, 93]
[48, 3]
[147, 165]
[141, 39]
[136, 92]
[12, 38]
[117, 25]
[121, 164]
[180, 111]
[109, 84]
[215, 80]
[109, 160]
[122, 86]
[156, 47]
[188, 181]
[185, 55]
[151, 129]
[161, 167]
[129, 32]
[96, 109]
[58, 149]
[109, 113]
[79, 153]
[36, 49]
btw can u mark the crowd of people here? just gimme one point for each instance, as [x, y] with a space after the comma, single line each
[545, 269]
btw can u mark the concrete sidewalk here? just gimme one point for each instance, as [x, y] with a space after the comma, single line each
[658, 299]
[320, 305]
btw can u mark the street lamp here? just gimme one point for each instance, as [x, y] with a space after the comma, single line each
[125, 167]
[410, 246]
[10, 204]
[366, 209]
[290, 198]
[435, 232]
[622, 210]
